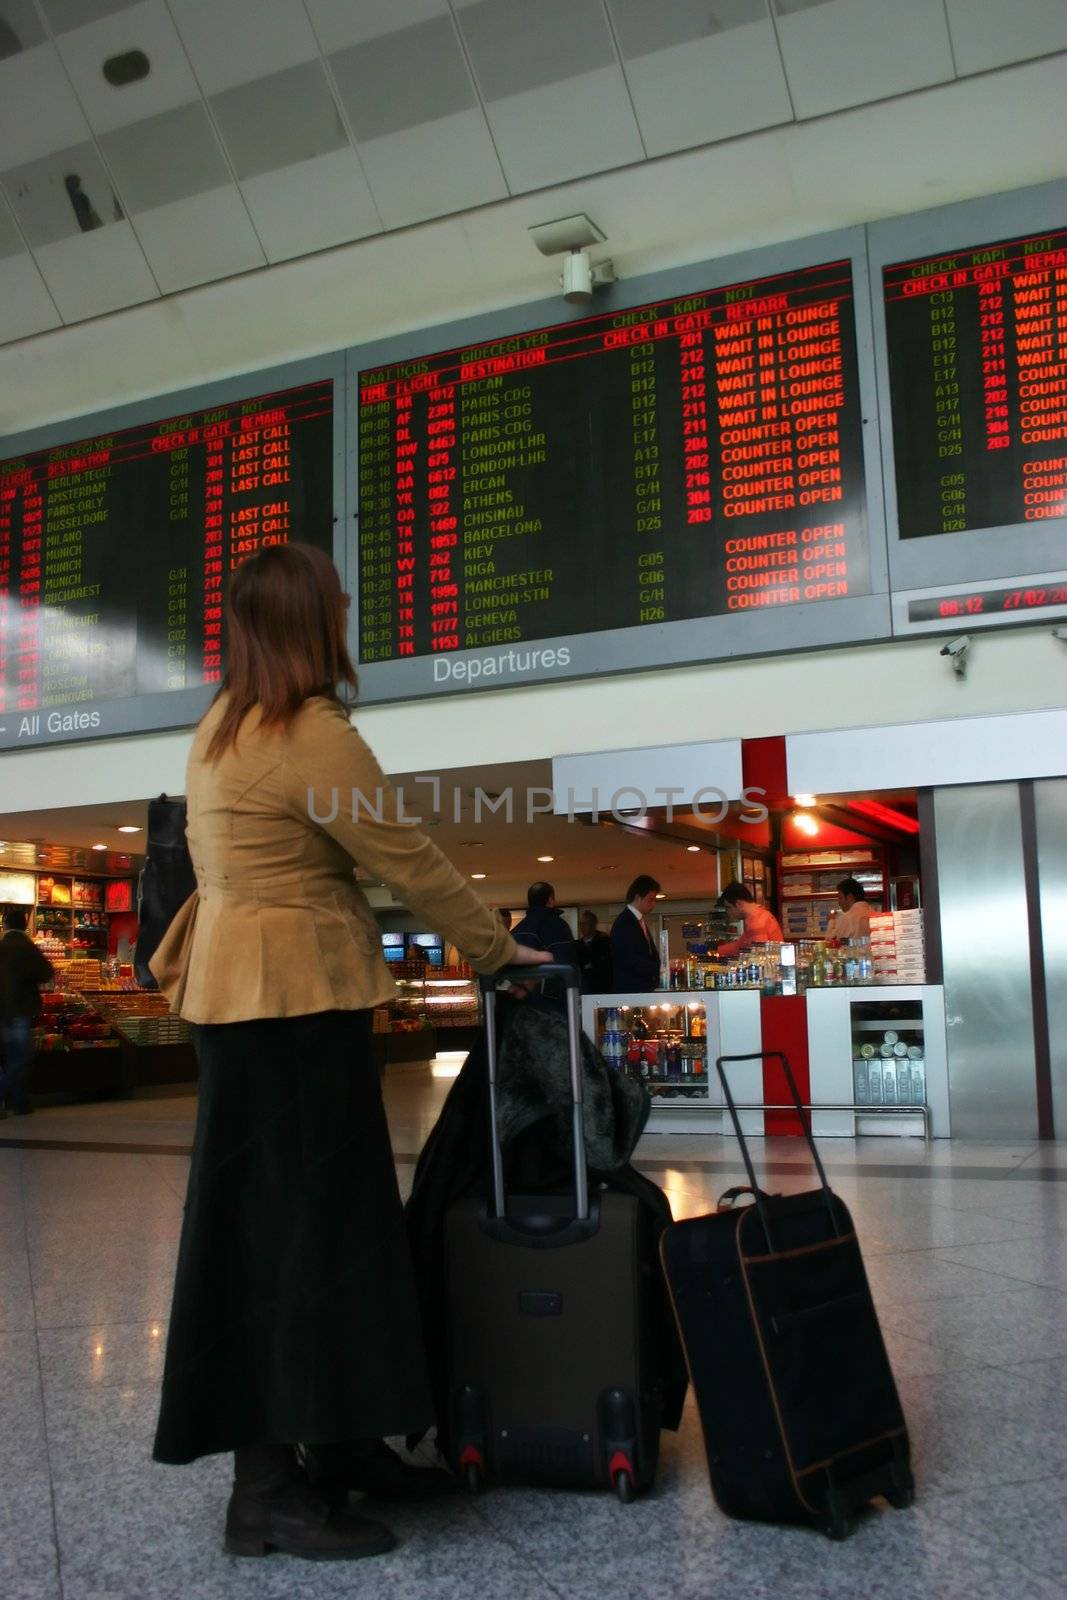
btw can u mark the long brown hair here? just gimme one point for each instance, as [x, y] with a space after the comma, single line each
[286, 624]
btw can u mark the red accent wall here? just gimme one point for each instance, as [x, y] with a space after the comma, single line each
[784, 1022]
[763, 766]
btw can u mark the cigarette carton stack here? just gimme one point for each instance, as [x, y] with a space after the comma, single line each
[897, 948]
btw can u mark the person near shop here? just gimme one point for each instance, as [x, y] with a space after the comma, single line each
[594, 955]
[853, 919]
[634, 953]
[23, 969]
[761, 926]
[295, 1339]
[544, 928]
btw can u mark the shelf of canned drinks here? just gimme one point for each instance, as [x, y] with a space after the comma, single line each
[662, 1043]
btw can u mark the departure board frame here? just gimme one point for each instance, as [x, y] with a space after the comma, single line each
[178, 708]
[965, 563]
[816, 624]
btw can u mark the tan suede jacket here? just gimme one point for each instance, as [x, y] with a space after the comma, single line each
[278, 926]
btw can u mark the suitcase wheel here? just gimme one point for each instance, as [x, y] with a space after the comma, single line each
[473, 1478]
[624, 1486]
[837, 1526]
[901, 1497]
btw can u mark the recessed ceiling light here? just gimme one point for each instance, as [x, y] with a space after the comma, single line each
[99, 846]
[546, 858]
[693, 849]
[609, 868]
[806, 799]
[661, 897]
[477, 874]
[128, 827]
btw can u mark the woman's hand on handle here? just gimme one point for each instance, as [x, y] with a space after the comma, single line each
[525, 957]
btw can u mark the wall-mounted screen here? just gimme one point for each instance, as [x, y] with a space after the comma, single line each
[116, 543]
[660, 481]
[972, 357]
[977, 346]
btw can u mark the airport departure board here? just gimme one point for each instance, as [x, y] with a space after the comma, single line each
[115, 549]
[977, 357]
[692, 458]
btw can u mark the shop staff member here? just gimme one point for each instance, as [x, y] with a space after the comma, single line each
[634, 956]
[22, 971]
[853, 921]
[594, 955]
[761, 925]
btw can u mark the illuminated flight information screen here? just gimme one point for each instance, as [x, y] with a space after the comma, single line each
[695, 457]
[977, 346]
[114, 551]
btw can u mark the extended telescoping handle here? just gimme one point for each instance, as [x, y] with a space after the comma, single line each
[571, 977]
[758, 1193]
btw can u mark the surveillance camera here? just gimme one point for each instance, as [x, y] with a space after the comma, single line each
[956, 650]
[577, 277]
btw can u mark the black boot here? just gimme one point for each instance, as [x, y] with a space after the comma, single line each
[273, 1507]
[368, 1466]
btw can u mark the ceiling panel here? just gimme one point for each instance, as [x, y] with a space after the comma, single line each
[20, 27]
[279, 121]
[145, 27]
[429, 171]
[311, 206]
[199, 239]
[26, 307]
[237, 40]
[165, 158]
[62, 196]
[516, 45]
[403, 79]
[845, 52]
[65, 15]
[565, 130]
[11, 241]
[986, 35]
[698, 73]
[342, 22]
[96, 272]
[39, 110]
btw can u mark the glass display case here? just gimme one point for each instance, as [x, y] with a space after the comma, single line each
[664, 1045]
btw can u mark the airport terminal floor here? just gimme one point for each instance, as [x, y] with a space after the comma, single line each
[966, 1247]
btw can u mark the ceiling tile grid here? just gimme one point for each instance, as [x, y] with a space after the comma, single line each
[986, 35]
[840, 53]
[261, 130]
[700, 72]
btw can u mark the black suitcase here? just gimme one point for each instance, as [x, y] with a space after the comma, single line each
[549, 1327]
[801, 1418]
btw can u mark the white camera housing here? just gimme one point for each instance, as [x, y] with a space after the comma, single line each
[577, 277]
[956, 650]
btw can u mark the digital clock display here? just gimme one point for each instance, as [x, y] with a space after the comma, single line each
[987, 603]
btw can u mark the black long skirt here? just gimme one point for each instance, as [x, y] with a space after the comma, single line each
[295, 1317]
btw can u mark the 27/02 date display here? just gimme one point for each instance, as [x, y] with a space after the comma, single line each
[988, 603]
[690, 458]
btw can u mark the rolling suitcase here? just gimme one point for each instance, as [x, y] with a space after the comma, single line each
[797, 1401]
[549, 1327]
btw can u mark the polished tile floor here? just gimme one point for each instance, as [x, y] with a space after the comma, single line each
[967, 1253]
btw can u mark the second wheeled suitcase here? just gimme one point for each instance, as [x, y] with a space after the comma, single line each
[549, 1328]
[799, 1409]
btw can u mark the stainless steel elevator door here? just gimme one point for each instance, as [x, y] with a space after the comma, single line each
[986, 949]
[1050, 804]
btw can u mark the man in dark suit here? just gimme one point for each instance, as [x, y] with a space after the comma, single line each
[634, 954]
[543, 928]
[22, 971]
[594, 955]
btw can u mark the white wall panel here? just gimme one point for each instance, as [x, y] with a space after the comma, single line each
[646, 777]
[39, 111]
[432, 169]
[562, 130]
[239, 40]
[146, 27]
[96, 272]
[204, 237]
[311, 206]
[709, 89]
[26, 307]
[987, 34]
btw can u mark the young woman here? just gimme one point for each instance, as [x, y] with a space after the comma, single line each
[294, 1320]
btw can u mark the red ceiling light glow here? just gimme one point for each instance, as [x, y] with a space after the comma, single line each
[887, 815]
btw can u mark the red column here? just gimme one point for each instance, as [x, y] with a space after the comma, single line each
[784, 1025]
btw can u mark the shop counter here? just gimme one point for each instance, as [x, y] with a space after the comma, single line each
[881, 1046]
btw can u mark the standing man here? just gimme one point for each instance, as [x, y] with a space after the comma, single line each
[853, 920]
[594, 955]
[22, 971]
[761, 925]
[634, 955]
[543, 928]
